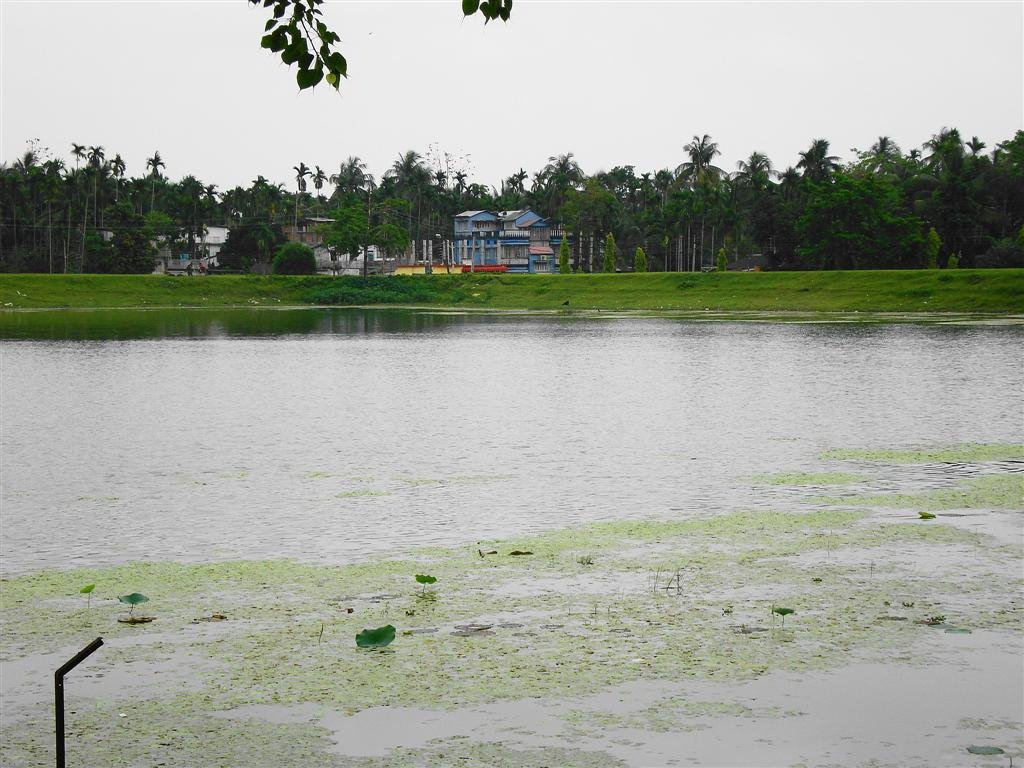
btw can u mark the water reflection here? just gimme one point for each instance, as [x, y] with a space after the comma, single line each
[122, 324]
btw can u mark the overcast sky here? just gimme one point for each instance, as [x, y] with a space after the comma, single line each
[626, 82]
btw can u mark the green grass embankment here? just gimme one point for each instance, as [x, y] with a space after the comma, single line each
[997, 291]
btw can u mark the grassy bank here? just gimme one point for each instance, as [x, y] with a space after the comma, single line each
[985, 291]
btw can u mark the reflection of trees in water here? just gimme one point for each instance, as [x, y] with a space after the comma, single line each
[202, 323]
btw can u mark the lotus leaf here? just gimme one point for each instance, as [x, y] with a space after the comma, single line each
[376, 638]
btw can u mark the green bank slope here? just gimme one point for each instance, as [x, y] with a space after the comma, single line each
[998, 291]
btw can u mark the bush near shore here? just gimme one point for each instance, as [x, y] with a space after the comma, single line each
[986, 291]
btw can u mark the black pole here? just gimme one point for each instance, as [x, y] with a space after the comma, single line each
[58, 693]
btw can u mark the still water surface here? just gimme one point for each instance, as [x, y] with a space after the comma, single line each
[334, 435]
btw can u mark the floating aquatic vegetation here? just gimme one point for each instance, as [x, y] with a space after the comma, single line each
[87, 591]
[1000, 491]
[926, 515]
[376, 638]
[967, 452]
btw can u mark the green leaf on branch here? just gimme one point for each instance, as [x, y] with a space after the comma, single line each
[307, 78]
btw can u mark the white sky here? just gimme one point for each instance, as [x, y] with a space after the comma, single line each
[626, 82]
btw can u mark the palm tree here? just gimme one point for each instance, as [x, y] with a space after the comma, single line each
[351, 176]
[410, 176]
[319, 178]
[561, 174]
[301, 172]
[78, 151]
[154, 164]
[96, 163]
[817, 164]
[975, 145]
[117, 168]
[883, 156]
[756, 171]
[701, 151]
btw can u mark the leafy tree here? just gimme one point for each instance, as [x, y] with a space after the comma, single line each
[250, 243]
[294, 259]
[349, 231]
[932, 243]
[639, 260]
[721, 261]
[563, 257]
[132, 248]
[858, 223]
[609, 253]
[97, 253]
[953, 261]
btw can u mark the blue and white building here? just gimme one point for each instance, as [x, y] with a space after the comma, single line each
[521, 241]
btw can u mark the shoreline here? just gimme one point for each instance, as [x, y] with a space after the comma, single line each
[994, 292]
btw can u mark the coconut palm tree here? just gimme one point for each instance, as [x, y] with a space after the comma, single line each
[351, 176]
[756, 171]
[561, 174]
[154, 164]
[698, 168]
[816, 163]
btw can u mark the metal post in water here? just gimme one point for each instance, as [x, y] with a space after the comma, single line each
[58, 693]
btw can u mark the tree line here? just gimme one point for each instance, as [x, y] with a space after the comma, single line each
[948, 201]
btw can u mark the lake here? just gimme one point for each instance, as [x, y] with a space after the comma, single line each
[334, 435]
[653, 541]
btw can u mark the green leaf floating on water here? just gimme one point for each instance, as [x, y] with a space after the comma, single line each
[133, 599]
[376, 638]
[985, 751]
[422, 578]
[87, 589]
[926, 515]
[783, 611]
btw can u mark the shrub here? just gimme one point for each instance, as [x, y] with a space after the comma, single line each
[294, 259]
[640, 261]
[609, 253]
[720, 261]
[563, 257]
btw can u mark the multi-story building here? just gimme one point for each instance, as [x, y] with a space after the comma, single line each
[520, 241]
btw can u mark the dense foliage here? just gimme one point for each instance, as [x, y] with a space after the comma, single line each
[294, 259]
[874, 212]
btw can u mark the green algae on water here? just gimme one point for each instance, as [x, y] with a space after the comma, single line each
[1002, 491]
[967, 452]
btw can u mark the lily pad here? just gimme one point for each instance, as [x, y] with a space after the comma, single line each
[424, 579]
[985, 751]
[926, 515]
[133, 599]
[520, 552]
[87, 589]
[376, 638]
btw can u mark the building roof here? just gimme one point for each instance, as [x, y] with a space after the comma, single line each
[541, 250]
[471, 214]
